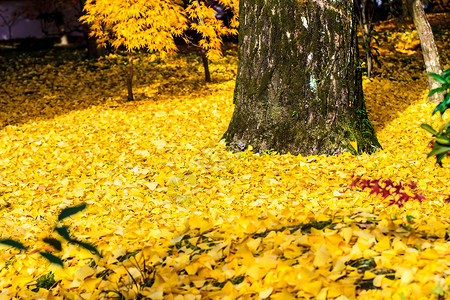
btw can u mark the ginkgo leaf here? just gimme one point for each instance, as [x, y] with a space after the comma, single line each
[84, 272]
[321, 256]
[266, 293]
[354, 144]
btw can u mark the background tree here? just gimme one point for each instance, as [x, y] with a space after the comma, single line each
[204, 20]
[94, 50]
[429, 49]
[298, 88]
[61, 14]
[365, 12]
[9, 19]
[152, 25]
[135, 25]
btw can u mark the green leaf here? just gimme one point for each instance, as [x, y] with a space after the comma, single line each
[438, 149]
[53, 242]
[446, 73]
[69, 211]
[428, 128]
[444, 126]
[447, 98]
[439, 158]
[64, 232]
[52, 258]
[443, 140]
[46, 281]
[440, 108]
[438, 77]
[13, 243]
[437, 90]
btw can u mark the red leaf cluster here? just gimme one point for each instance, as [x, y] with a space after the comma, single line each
[387, 189]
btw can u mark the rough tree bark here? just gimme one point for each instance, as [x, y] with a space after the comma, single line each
[298, 88]
[429, 49]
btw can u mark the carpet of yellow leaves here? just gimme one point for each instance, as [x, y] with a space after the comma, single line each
[209, 223]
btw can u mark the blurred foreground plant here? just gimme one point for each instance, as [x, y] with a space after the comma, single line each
[61, 230]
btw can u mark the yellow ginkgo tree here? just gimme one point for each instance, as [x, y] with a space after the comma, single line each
[203, 20]
[153, 24]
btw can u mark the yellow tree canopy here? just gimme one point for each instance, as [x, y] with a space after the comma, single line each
[152, 24]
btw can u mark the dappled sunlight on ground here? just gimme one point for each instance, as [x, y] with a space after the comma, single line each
[162, 189]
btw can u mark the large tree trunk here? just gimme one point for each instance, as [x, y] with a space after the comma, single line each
[429, 49]
[298, 89]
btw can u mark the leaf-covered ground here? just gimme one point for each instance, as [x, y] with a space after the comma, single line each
[176, 216]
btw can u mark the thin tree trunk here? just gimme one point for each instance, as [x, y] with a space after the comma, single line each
[369, 62]
[203, 53]
[10, 36]
[366, 31]
[364, 15]
[9, 24]
[206, 66]
[298, 88]
[130, 77]
[429, 49]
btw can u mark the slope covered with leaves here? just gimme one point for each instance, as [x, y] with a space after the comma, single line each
[176, 216]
